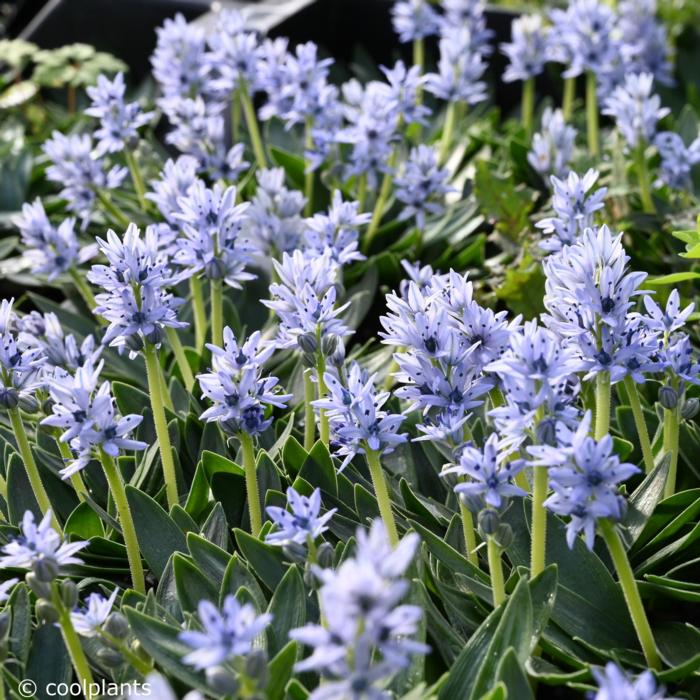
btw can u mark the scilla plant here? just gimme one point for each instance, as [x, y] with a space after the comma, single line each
[366, 391]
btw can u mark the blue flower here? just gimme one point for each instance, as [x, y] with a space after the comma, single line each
[679, 357]
[414, 19]
[404, 87]
[176, 179]
[615, 684]
[226, 634]
[468, 14]
[88, 622]
[635, 109]
[490, 472]
[527, 50]
[553, 146]
[304, 522]
[667, 320]
[677, 160]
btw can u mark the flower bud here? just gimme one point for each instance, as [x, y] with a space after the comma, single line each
[45, 569]
[325, 556]
[134, 343]
[155, 337]
[503, 536]
[221, 681]
[256, 667]
[116, 625]
[69, 593]
[329, 344]
[668, 397]
[46, 612]
[41, 589]
[489, 520]
[215, 270]
[547, 432]
[307, 343]
[28, 403]
[308, 359]
[471, 502]
[690, 409]
[4, 625]
[9, 398]
[295, 552]
[110, 657]
[337, 359]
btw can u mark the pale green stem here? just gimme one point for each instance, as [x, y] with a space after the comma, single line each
[141, 665]
[75, 649]
[137, 179]
[309, 415]
[631, 593]
[253, 128]
[323, 426]
[384, 192]
[181, 358]
[75, 479]
[498, 588]
[643, 178]
[538, 545]
[528, 104]
[217, 313]
[83, 289]
[469, 533]
[199, 313]
[602, 405]
[592, 114]
[309, 174]
[121, 503]
[419, 60]
[448, 131]
[362, 191]
[161, 424]
[251, 483]
[119, 216]
[671, 444]
[235, 116]
[31, 468]
[567, 106]
[640, 423]
[382, 493]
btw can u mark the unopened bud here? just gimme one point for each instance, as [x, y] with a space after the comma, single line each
[4, 625]
[295, 552]
[690, 409]
[155, 337]
[668, 397]
[472, 503]
[308, 359]
[41, 589]
[329, 344]
[46, 612]
[547, 432]
[215, 270]
[116, 625]
[28, 403]
[134, 343]
[110, 657]
[307, 343]
[69, 593]
[46, 569]
[503, 536]
[221, 681]
[337, 359]
[256, 667]
[9, 398]
[325, 556]
[489, 520]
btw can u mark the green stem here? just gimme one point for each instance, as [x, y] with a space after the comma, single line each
[498, 588]
[309, 174]
[382, 493]
[538, 543]
[469, 533]
[384, 193]
[199, 313]
[253, 128]
[141, 665]
[217, 313]
[137, 179]
[602, 405]
[76, 480]
[32, 470]
[309, 416]
[362, 191]
[158, 408]
[671, 443]
[116, 488]
[181, 358]
[592, 114]
[235, 116]
[83, 289]
[164, 390]
[643, 177]
[640, 423]
[631, 593]
[567, 105]
[419, 54]
[448, 131]
[323, 427]
[119, 216]
[528, 104]
[75, 649]
[251, 483]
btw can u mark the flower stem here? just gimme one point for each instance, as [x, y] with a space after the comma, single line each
[528, 104]
[671, 444]
[116, 488]
[25, 451]
[498, 588]
[137, 179]
[309, 416]
[251, 483]
[382, 493]
[538, 543]
[640, 423]
[164, 390]
[379, 205]
[83, 289]
[323, 426]
[643, 178]
[309, 174]
[469, 534]
[419, 54]
[253, 128]
[362, 191]
[76, 480]
[199, 313]
[235, 116]
[158, 408]
[75, 649]
[181, 358]
[631, 593]
[119, 216]
[592, 114]
[448, 131]
[602, 405]
[567, 104]
[217, 313]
